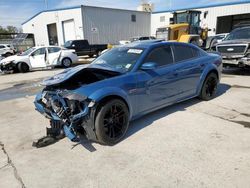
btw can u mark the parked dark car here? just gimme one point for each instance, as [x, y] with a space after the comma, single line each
[124, 84]
[235, 48]
[82, 47]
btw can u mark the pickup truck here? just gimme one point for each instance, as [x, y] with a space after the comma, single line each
[82, 47]
[235, 48]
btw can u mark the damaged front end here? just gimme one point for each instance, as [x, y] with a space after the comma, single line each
[65, 104]
[72, 110]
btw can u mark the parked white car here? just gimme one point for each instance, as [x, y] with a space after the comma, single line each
[39, 57]
[6, 50]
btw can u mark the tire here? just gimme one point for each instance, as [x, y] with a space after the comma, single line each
[66, 62]
[23, 67]
[8, 54]
[111, 122]
[209, 88]
[98, 53]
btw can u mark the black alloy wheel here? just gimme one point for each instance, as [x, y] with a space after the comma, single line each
[209, 87]
[112, 122]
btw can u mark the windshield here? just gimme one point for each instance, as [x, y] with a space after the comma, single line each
[27, 52]
[120, 58]
[239, 34]
[67, 44]
[181, 18]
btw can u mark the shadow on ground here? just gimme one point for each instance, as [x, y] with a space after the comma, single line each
[150, 118]
[237, 71]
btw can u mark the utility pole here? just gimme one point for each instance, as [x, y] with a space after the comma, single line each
[170, 4]
[46, 4]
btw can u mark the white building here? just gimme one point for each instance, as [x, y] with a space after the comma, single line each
[219, 18]
[98, 25]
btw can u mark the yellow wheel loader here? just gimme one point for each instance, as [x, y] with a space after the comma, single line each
[185, 27]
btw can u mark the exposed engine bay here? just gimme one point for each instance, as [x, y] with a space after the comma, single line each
[70, 113]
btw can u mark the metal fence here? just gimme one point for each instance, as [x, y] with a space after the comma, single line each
[20, 41]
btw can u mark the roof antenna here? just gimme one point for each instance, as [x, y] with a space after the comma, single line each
[46, 4]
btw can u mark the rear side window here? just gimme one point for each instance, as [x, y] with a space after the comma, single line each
[53, 49]
[161, 56]
[182, 53]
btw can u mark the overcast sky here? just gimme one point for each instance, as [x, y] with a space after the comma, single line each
[14, 12]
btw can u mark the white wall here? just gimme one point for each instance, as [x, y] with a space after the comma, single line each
[38, 25]
[211, 20]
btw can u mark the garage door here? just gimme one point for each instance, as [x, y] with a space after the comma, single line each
[69, 30]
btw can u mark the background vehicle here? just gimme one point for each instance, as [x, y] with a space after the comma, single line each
[185, 27]
[6, 50]
[39, 57]
[220, 37]
[136, 39]
[141, 38]
[235, 48]
[125, 83]
[82, 47]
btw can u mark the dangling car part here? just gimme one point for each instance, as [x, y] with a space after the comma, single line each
[125, 83]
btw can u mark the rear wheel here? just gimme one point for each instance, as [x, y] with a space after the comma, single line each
[112, 122]
[99, 53]
[23, 67]
[209, 87]
[66, 62]
[8, 54]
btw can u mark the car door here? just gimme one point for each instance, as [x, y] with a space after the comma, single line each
[187, 68]
[38, 58]
[157, 87]
[54, 54]
[82, 47]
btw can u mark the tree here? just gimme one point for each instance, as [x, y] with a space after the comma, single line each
[8, 30]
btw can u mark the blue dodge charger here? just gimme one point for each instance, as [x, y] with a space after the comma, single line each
[125, 83]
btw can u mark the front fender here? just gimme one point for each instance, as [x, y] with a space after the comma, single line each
[208, 69]
[109, 91]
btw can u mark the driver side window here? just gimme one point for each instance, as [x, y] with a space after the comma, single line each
[40, 51]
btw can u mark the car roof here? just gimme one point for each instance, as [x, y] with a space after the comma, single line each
[154, 43]
[36, 47]
[241, 28]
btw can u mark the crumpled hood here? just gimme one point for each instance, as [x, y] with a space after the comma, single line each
[68, 73]
[12, 58]
[228, 42]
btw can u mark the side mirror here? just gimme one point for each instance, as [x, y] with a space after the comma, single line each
[149, 66]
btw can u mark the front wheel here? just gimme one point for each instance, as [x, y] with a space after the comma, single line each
[23, 67]
[112, 122]
[209, 87]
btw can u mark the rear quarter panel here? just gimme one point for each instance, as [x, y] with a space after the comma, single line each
[213, 62]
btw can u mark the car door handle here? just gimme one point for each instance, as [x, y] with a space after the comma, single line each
[202, 65]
